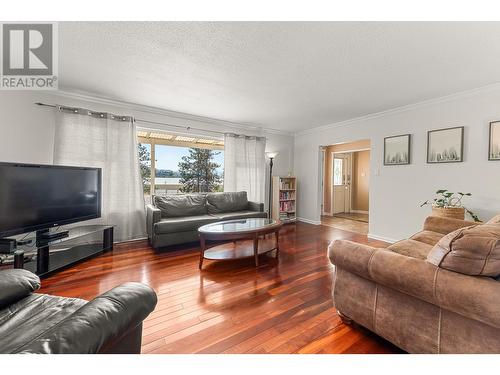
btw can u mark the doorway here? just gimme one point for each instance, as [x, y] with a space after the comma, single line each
[346, 175]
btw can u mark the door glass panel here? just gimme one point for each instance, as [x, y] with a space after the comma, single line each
[337, 172]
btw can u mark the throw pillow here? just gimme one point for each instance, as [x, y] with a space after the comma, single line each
[181, 205]
[473, 250]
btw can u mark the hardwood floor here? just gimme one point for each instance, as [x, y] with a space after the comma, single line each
[282, 306]
[356, 216]
[345, 224]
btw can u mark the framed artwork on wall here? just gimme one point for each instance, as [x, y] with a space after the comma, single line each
[397, 150]
[494, 148]
[445, 145]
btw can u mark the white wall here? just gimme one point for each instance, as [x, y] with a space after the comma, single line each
[396, 191]
[27, 130]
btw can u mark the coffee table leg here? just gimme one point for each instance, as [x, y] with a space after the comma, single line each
[202, 250]
[256, 249]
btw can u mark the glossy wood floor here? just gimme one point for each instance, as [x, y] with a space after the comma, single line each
[345, 224]
[283, 306]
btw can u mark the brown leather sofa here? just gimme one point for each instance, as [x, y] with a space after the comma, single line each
[437, 292]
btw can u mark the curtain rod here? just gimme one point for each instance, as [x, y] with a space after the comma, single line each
[188, 128]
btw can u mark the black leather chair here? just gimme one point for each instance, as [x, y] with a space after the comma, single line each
[41, 323]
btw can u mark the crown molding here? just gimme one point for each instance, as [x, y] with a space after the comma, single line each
[404, 108]
[79, 95]
[69, 93]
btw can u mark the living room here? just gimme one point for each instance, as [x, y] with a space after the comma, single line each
[206, 187]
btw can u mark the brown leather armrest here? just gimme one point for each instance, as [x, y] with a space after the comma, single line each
[351, 256]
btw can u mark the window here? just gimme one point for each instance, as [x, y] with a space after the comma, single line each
[181, 164]
[145, 165]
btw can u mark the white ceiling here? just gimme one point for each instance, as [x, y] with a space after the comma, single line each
[283, 75]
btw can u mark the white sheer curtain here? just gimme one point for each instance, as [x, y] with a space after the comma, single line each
[245, 165]
[90, 139]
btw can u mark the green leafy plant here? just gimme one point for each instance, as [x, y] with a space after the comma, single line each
[446, 199]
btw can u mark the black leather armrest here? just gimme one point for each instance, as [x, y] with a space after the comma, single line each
[16, 284]
[99, 324]
[255, 206]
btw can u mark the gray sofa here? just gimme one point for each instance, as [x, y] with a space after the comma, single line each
[175, 219]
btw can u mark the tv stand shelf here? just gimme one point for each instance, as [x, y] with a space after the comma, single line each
[46, 256]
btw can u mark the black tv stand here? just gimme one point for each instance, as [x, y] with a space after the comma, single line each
[44, 256]
[46, 235]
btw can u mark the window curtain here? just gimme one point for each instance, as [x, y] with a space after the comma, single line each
[92, 139]
[245, 165]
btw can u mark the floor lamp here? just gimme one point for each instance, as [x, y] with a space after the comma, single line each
[271, 156]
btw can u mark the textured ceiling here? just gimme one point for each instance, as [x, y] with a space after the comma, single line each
[282, 75]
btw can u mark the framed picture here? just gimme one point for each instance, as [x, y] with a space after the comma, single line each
[445, 145]
[494, 149]
[397, 150]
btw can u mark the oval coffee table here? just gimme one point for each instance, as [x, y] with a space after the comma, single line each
[247, 236]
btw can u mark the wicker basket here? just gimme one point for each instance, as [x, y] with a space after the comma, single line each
[450, 212]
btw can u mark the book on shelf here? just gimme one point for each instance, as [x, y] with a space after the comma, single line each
[287, 206]
[286, 216]
[287, 185]
[287, 195]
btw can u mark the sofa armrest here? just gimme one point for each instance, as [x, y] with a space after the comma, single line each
[445, 225]
[16, 284]
[351, 256]
[153, 215]
[474, 297]
[99, 324]
[255, 206]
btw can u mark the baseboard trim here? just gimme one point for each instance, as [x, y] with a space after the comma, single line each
[359, 212]
[313, 222]
[381, 238]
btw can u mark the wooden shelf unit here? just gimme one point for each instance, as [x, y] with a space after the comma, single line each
[284, 204]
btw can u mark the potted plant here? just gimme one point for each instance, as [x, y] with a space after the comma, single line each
[448, 204]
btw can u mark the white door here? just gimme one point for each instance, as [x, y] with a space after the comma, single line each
[341, 183]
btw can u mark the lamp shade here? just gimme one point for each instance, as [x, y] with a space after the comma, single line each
[272, 155]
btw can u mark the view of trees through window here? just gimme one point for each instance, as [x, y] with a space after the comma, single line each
[181, 169]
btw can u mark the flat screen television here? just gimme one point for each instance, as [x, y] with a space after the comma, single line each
[38, 197]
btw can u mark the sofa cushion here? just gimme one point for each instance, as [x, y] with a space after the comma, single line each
[241, 215]
[411, 248]
[445, 225]
[24, 321]
[181, 205]
[494, 220]
[227, 202]
[473, 250]
[183, 224]
[427, 236]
